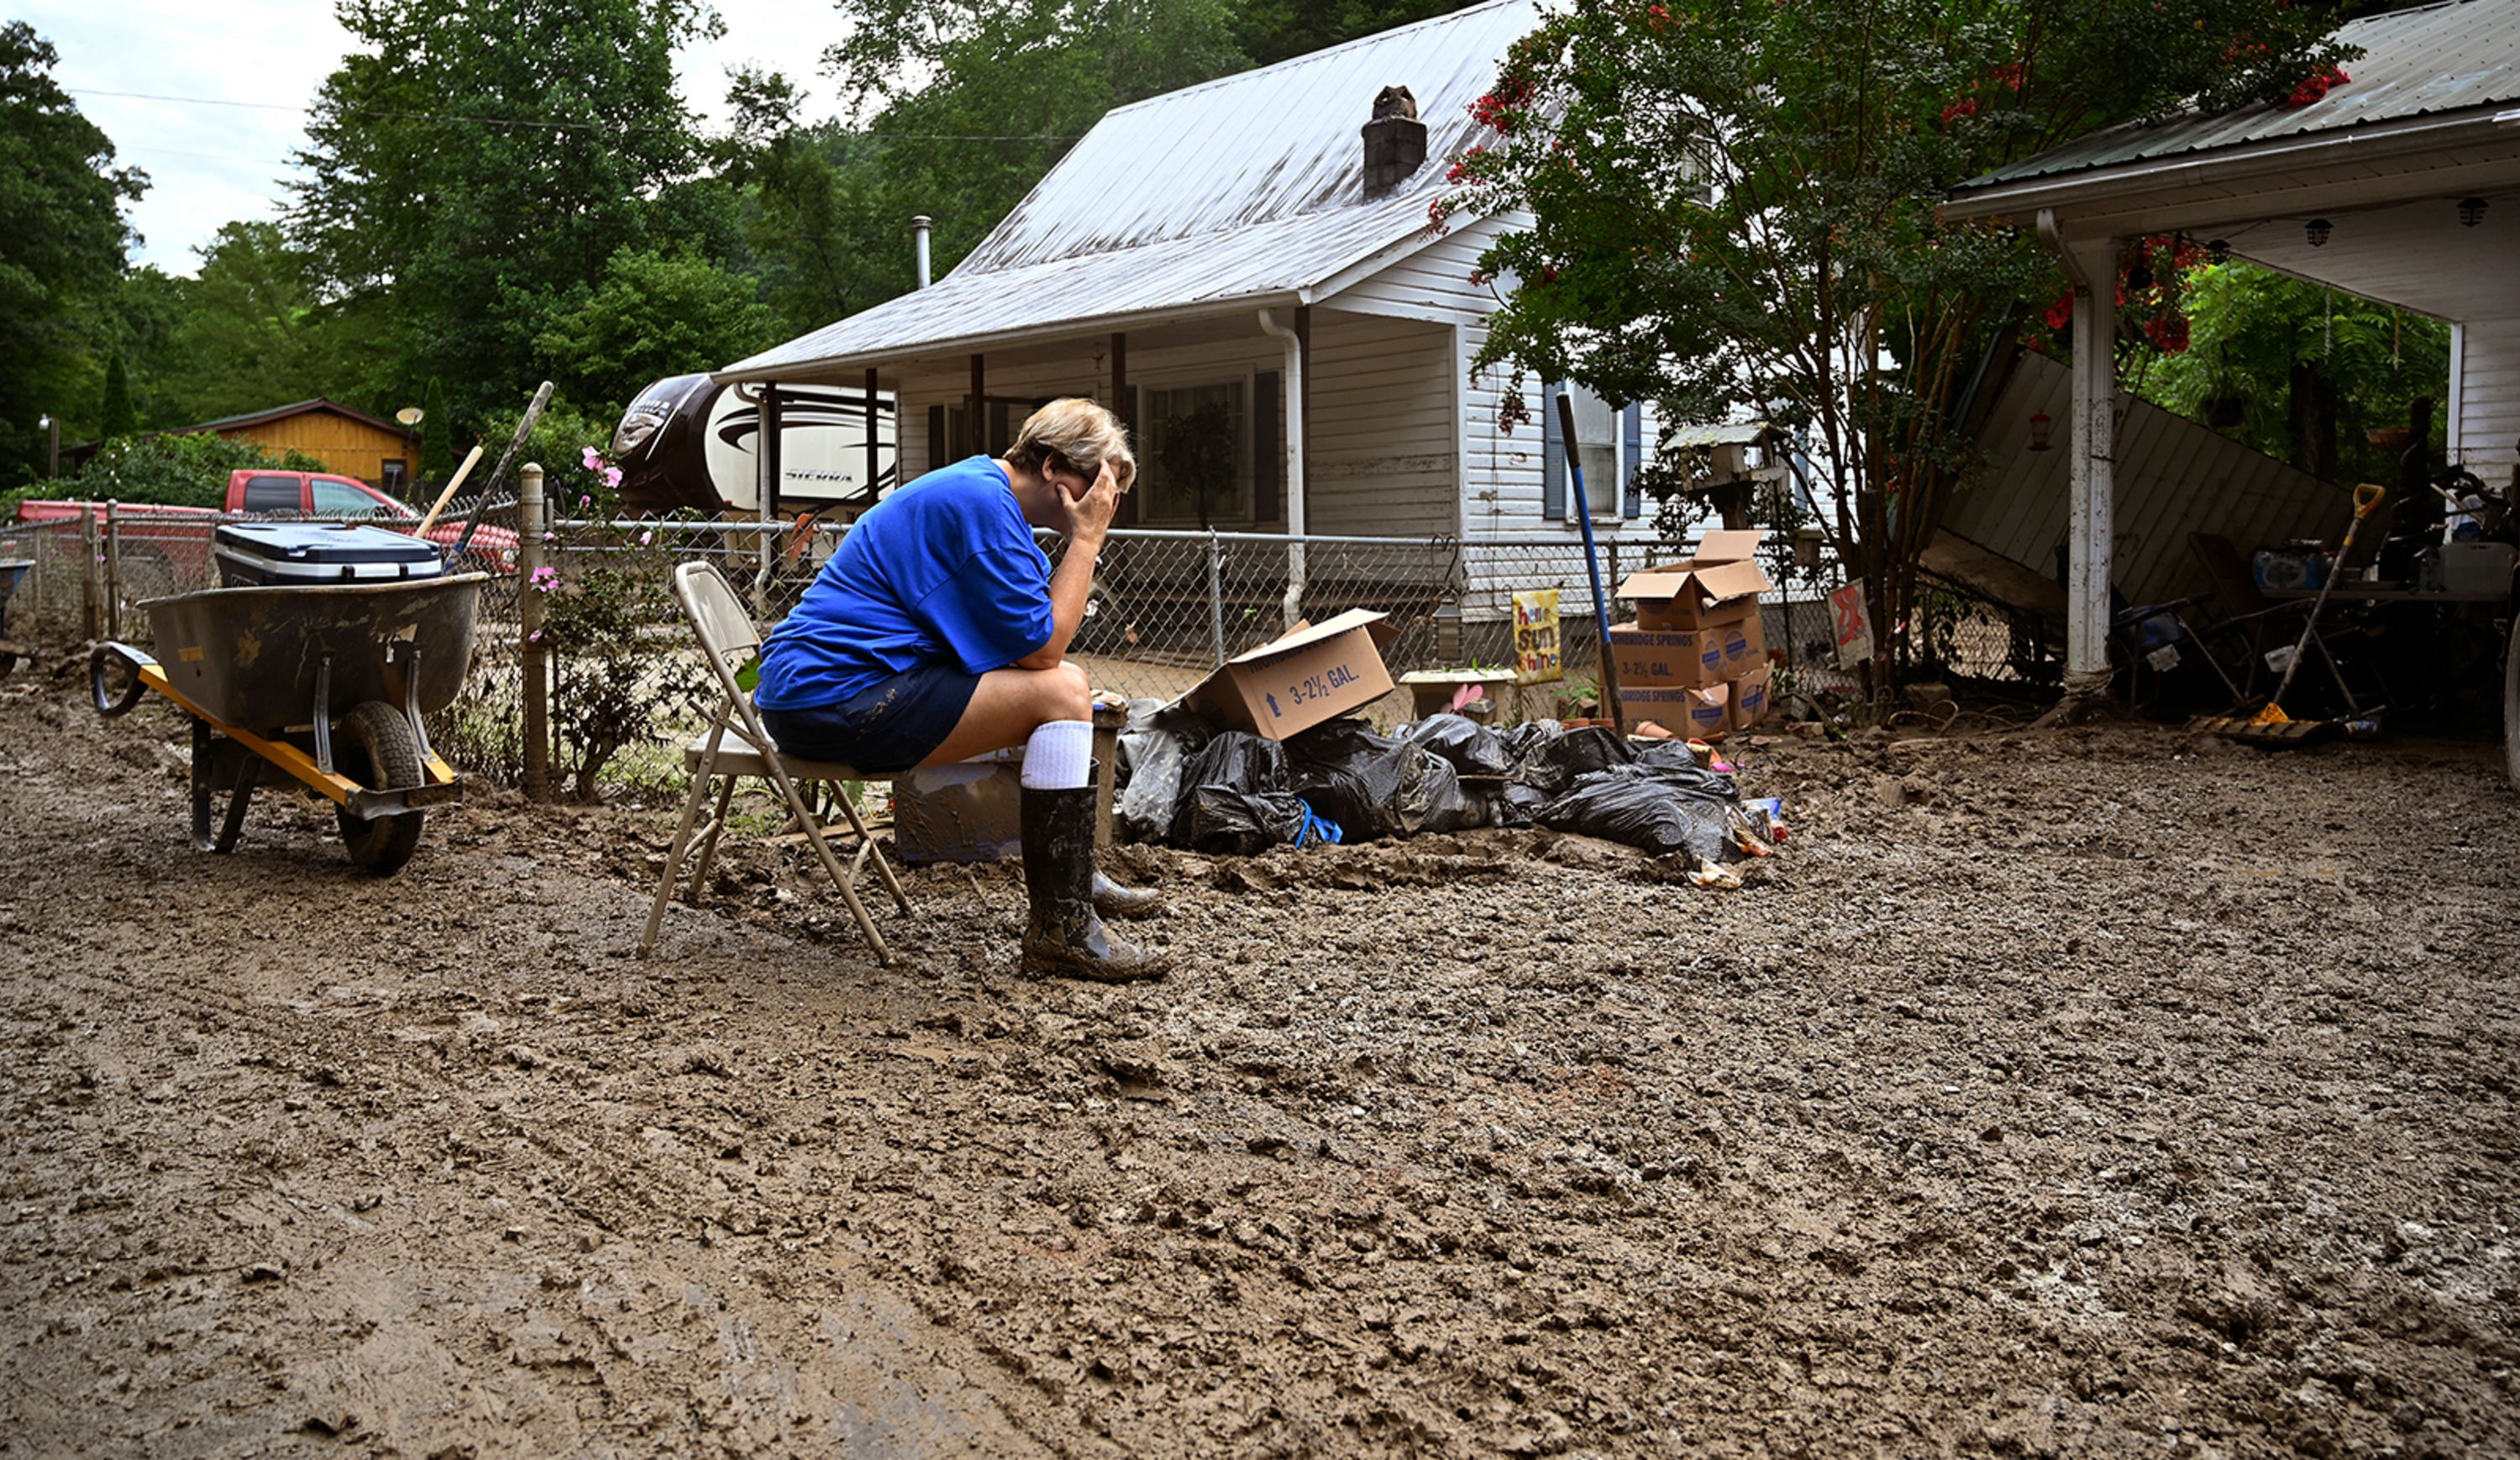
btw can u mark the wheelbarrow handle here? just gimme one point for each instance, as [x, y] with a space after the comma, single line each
[108, 702]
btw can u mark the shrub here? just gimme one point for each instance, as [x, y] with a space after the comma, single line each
[186, 470]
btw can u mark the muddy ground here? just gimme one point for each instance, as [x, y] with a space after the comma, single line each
[2086, 1093]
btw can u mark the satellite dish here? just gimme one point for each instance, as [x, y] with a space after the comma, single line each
[409, 415]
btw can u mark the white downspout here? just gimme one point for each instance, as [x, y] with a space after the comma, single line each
[2092, 439]
[1293, 609]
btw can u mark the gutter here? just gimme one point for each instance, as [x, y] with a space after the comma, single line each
[2252, 160]
[798, 372]
[1291, 609]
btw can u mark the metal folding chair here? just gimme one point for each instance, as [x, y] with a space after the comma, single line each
[736, 746]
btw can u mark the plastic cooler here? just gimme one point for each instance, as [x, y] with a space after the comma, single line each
[280, 555]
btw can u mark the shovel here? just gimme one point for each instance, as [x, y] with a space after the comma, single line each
[2367, 500]
[1592, 565]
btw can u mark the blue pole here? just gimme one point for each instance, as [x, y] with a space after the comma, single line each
[1583, 508]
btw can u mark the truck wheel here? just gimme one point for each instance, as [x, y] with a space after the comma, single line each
[374, 746]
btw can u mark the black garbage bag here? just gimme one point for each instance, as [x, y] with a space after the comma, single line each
[1235, 760]
[1377, 786]
[1219, 820]
[1346, 773]
[1154, 747]
[1517, 804]
[1471, 748]
[1547, 757]
[1662, 810]
[1432, 797]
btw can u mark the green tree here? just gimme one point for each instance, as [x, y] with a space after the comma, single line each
[972, 101]
[255, 331]
[116, 417]
[1732, 208]
[61, 252]
[438, 453]
[478, 159]
[1273, 30]
[650, 316]
[2257, 337]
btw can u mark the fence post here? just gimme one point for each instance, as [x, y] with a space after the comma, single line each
[1215, 601]
[113, 569]
[88, 617]
[529, 628]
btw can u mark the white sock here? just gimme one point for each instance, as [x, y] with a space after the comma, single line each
[1059, 756]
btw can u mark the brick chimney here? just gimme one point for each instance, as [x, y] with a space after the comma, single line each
[1395, 142]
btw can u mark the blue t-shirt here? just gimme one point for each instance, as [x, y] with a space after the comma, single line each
[944, 571]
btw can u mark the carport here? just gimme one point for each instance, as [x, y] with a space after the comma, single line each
[2402, 185]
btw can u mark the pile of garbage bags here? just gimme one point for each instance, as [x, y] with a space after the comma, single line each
[1186, 784]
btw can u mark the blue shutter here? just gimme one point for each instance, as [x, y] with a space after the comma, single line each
[1553, 457]
[1631, 495]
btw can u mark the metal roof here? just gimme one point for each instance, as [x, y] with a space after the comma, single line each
[1247, 188]
[2434, 59]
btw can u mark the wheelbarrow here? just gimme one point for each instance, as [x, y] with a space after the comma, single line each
[328, 684]
[12, 570]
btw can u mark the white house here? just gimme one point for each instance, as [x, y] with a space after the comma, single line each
[2402, 185]
[1219, 253]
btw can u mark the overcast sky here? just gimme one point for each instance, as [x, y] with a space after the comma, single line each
[246, 69]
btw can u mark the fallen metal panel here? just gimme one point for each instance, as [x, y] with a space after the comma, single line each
[2173, 478]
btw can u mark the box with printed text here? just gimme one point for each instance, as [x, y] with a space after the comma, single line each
[1297, 681]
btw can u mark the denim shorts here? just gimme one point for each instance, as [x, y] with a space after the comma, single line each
[891, 727]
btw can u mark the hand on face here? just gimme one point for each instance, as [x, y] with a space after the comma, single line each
[1088, 505]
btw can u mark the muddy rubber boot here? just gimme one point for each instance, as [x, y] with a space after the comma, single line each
[1113, 900]
[1064, 936]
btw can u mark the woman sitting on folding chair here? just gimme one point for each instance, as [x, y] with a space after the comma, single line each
[938, 632]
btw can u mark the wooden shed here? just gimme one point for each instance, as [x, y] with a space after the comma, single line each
[351, 442]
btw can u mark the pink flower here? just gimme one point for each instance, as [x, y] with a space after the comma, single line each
[546, 579]
[646, 539]
[612, 477]
[593, 459]
[535, 637]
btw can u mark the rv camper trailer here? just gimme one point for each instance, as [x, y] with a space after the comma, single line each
[690, 442]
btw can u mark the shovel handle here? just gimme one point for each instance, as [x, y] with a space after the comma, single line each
[448, 495]
[2367, 499]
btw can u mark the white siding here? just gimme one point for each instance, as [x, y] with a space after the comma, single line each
[2489, 397]
[1385, 439]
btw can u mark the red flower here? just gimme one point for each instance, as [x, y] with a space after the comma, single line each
[2060, 313]
[2168, 332]
[2315, 86]
[1965, 106]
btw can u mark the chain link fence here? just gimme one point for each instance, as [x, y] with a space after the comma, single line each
[1165, 608]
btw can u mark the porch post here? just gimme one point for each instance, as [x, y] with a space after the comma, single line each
[2091, 265]
[979, 408]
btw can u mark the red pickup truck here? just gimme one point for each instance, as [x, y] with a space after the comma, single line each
[168, 548]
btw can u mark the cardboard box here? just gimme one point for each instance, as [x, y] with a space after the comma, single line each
[1719, 585]
[1750, 699]
[1647, 657]
[1301, 679]
[1742, 646]
[1700, 712]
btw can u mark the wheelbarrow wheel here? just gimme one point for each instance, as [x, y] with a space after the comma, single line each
[374, 746]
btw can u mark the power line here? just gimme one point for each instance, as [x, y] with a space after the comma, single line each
[549, 126]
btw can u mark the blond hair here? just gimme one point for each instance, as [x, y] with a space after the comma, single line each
[1075, 434]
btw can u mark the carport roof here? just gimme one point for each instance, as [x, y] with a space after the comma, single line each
[2433, 58]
